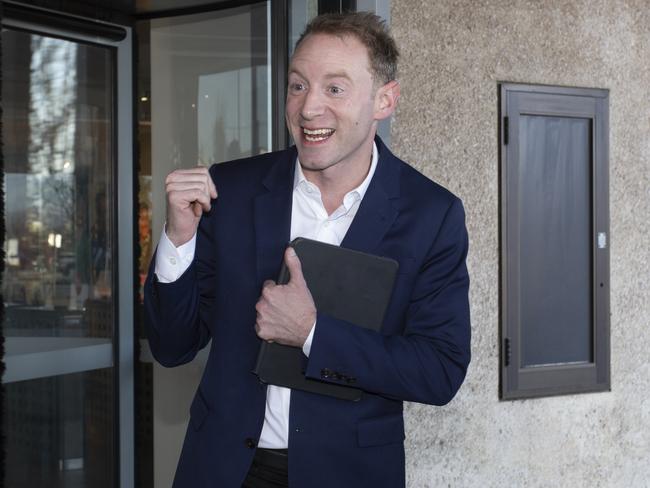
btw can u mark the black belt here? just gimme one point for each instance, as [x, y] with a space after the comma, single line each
[270, 469]
[275, 458]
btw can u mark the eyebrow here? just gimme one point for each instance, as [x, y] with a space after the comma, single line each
[340, 74]
[329, 76]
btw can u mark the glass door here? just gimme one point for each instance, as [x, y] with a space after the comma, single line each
[63, 371]
[205, 96]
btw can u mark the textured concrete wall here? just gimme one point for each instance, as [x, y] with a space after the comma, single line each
[453, 55]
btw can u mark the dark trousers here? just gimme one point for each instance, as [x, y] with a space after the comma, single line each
[270, 469]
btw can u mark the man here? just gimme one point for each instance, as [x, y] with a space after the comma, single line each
[215, 265]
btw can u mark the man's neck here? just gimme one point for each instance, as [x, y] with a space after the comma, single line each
[336, 182]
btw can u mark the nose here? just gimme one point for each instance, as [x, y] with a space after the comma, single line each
[312, 105]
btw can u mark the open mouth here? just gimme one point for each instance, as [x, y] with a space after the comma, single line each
[317, 135]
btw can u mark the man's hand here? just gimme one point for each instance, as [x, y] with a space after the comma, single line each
[189, 192]
[286, 313]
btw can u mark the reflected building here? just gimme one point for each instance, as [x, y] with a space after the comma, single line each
[58, 279]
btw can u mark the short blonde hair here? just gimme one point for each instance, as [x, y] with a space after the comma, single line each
[370, 30]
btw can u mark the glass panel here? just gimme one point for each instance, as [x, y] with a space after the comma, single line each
[555, 240]
[58, 279]
[301, 13]
[59, 431]
[204, 91]
[57, 102]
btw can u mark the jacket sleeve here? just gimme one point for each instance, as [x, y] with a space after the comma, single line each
[428, 361]
[174, 313]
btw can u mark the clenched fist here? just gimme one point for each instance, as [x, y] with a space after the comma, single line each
[189, 193]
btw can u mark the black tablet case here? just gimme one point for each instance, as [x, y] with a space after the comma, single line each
[345, 284]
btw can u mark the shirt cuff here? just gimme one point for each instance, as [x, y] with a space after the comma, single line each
[306, 347]
[172, 261]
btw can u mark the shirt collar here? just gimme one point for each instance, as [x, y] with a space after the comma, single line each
[299, 178]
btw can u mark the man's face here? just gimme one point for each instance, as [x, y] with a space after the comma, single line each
[331, 103]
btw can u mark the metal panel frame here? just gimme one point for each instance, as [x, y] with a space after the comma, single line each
[125, 269]
[515, 381]
[196, 9]
[108, 35]
[382, 9]
[42, 357]
[279, 66]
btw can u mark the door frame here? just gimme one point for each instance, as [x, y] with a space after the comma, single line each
[78, 29]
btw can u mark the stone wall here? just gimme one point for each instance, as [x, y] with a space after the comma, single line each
[454, 54]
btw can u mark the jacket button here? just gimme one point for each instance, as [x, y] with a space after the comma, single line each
[250, 443]
[325, 373]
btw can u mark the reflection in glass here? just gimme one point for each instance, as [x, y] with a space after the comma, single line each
[204, 97]
[56, 124]
[227, 122]
[555, 240]
[59, 431]
[58, 279]
[299, 16]
[204, 84]
[204, 93]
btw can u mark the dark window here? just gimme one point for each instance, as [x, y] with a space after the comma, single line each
[336, 6]
[554, 241]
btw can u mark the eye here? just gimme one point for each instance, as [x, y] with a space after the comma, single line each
[296, 87]
[335, 90]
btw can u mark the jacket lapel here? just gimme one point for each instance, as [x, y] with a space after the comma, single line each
[378, 208]
[376, 214]
[273, 216]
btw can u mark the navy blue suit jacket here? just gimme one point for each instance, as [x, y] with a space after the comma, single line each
[420, 355]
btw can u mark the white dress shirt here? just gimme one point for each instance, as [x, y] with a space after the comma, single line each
[308, 219]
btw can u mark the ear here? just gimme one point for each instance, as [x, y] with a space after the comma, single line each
[386, 100]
